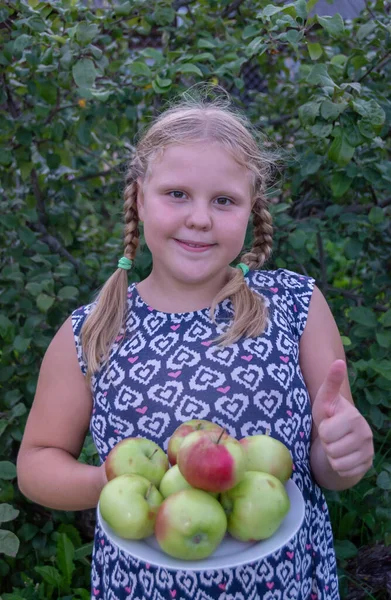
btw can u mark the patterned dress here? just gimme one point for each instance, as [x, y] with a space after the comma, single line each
[164, 370]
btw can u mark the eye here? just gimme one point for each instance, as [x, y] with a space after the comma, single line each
[177, 194]
[223, 201]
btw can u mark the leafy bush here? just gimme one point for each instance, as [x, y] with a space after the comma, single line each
[78, 83]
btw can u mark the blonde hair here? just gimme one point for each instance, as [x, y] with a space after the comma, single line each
[195, 118]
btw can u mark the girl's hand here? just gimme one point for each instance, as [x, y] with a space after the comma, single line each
[344, 433]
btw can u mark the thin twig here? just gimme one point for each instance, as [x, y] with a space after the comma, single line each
[357, 297]
[376, 65]
[53, 243]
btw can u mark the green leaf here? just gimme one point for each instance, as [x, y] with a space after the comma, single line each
[65, 557]
[297, 239]
[308, 112]
[345, 549]
[7, 470]
[83, 551]
[311, 164]
[320, 76]
[256, 46]
[364, 316]
[51, 575]
[86, 32]
[384, 339]
[340, 150]
[383, 480]
[370, 110]
[21, 344]
[44, 302]
[322, 130]
[376, 215]
[365, 30]
[68, 292]
[7, 513]
[340, 184]
[123, 9]
[6, 326]
[331, 110]
[84, 73]
[189, 68]
[386, 318]
[9, 543]
[333, 25]
[315, 50]
[139, 68]
[271, 10]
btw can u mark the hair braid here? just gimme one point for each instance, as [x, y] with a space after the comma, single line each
[263, 236]
[103, 324]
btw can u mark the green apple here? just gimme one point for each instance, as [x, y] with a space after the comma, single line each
[268, 455]
[137, 455]
[211, 460]
[129, 504]
[173, 481]
[183, 430]
[256, 507]
[190, 525]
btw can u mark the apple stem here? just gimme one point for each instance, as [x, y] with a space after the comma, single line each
[221, 435]
[267, 432]
[153, 453]
[148, 491]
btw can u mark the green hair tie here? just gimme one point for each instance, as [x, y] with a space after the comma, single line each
[244, 268]
[125, 263]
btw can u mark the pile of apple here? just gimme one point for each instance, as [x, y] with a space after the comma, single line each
[216, 484]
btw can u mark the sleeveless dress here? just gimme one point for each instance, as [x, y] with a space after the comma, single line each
[164, 370]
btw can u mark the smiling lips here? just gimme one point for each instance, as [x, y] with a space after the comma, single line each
[194, 246]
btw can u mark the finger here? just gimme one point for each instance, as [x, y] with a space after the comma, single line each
[357, 471]
[345, 445]
[330, 390]
[335, 428]
[349, 462]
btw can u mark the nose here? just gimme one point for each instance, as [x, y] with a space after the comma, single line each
[199, 216]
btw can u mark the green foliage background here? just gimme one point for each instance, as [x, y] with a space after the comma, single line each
[77, 84]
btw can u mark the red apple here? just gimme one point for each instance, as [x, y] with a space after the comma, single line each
[211, 461]
[183, 430]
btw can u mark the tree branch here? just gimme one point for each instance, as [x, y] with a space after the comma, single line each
[376, 65]
[53, 243]
[357, 297]
[322, 261]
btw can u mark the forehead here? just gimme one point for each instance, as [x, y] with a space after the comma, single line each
[208, 160]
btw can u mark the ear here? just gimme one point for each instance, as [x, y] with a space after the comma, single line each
[140, 199]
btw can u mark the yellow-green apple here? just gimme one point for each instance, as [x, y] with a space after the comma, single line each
[129, 504]
[211, 460]
[190, 524]
[137, 455]
[266, 454]
[256, 507]
[183, 430]
[173, 481]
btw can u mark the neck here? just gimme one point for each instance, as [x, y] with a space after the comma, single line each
[175, 296]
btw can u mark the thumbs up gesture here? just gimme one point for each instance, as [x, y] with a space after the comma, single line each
[345, 435]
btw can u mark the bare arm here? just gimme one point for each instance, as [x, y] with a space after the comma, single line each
[335, 459]
[47, 467]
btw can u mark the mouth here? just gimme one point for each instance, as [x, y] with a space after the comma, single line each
[194, 246]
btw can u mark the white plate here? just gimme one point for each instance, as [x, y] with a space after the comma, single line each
[230, 553]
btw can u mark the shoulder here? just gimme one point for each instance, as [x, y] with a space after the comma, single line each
[284, 280]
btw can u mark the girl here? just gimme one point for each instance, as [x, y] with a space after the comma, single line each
[247, 348]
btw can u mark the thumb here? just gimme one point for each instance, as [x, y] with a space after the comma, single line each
[329, 392]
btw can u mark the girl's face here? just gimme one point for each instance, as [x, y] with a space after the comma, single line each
[195, 206]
